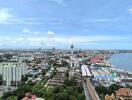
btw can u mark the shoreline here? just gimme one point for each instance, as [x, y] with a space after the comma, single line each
[116, 68]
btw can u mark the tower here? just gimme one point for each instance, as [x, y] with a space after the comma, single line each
[72, 52]
[72, 47]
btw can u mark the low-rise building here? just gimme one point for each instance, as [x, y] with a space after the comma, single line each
[71, 73]
[49, 73]
[124, 94]
[62, 69]
[57, 80]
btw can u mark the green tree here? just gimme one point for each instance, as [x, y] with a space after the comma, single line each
[56, 89]
[69, 90]
[49, 94]
[73, 97]
[101, 89]
[20, 92]
[24, 78]
[6, 95]
[1, 58]
[113, 88]
[71, 82]
[12, 98]
[43, 72]
[62, 96]
[7, 56]
[38, 90]
[67, 74]
[81, 97]
[1, 80]
[80, 89]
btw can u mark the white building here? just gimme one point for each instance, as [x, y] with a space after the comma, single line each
[85, 71]
[74, 63]
[12, 71]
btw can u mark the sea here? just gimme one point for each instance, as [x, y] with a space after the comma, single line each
[122, 61]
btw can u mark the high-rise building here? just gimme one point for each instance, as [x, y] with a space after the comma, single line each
[72, 47]
[72, 64]
[73, 60]
[12, 72]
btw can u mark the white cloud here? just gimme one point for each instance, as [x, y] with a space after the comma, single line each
[5, 14]
[28, 20]
[19, 39]
[86, 39]
[36, 33]
[101, 20]
[7, 17]
[50, 33]
[60, 2]
[130, 10]
[55, 40]
[27, 31]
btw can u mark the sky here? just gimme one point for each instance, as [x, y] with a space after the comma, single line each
[88, 24]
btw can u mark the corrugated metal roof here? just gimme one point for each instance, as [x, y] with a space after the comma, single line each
[85, 70]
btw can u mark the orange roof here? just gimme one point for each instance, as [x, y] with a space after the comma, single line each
[29, 96]
[124, 92]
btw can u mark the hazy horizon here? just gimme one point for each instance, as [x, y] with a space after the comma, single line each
[96, 24]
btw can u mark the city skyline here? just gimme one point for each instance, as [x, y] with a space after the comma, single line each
[59, 23]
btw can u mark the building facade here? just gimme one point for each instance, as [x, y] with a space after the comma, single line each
[12, 72]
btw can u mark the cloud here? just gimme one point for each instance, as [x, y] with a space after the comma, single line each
[53, 40]
[5, 15]
[60, 2]
[130, 10]
[102, 20]
[28, 21]
[50, 33]
[19, 39]
[36, 33]
[27, 31]
[86, 39]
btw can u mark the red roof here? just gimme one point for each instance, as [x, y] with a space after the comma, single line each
[97, 59]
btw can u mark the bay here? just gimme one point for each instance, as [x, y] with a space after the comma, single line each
[122, 61]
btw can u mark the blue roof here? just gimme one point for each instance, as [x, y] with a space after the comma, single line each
[103, 76]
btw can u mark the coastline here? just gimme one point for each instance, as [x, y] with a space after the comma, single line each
[116, 68]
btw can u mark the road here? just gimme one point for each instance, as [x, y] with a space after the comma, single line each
[87, 94]
[89, 90]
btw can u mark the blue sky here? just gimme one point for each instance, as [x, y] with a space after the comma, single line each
[92, 24]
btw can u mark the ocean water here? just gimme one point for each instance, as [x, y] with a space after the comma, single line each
[122, 61]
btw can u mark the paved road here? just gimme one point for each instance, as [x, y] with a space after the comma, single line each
[87, 94]
[89, 90]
